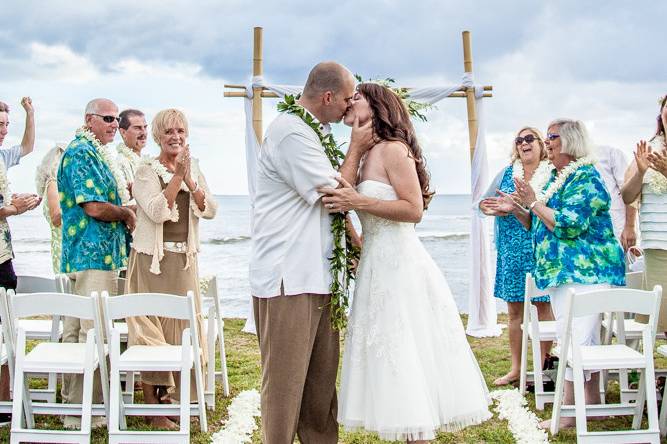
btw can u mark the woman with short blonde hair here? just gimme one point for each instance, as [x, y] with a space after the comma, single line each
[172, 195]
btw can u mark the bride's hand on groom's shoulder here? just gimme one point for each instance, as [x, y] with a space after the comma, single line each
[363, 137]
[343, 198]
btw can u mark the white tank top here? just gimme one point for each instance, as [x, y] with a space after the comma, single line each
[653, 211]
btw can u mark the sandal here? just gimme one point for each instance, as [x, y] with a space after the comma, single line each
[505, 380]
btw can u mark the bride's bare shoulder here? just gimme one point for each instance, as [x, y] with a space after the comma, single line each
[393, 149]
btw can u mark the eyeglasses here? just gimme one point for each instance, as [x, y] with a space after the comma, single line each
[551, 136]
[107, 119]
[528, 139]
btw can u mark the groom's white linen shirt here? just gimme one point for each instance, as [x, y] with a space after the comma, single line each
[291, 233]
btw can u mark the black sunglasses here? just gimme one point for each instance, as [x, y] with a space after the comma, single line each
[551, 136]
[528, 139]
[107, 119]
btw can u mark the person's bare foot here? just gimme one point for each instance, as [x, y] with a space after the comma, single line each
[162, 422]
[565, 423]
[509, 378]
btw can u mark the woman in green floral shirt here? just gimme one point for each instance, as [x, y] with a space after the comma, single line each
[574, 238]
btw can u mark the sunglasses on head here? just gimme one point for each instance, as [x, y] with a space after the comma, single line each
[551, 136]
[528, 139]
[107, 119]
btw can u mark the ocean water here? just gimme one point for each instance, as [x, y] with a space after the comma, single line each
[225, 247]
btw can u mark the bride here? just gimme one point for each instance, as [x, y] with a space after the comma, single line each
[408, 371]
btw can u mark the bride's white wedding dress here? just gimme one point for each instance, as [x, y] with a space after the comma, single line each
[408, 370]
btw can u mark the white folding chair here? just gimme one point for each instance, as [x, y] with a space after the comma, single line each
[42, 329]
[139, 358]
[629, 332]
[214, 332]
[536, 331]
[610, 356]
[51, 357]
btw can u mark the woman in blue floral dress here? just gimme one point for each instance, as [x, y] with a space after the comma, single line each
[575, 246]
[514, 242]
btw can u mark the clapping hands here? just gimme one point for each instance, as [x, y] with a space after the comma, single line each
[25, 202]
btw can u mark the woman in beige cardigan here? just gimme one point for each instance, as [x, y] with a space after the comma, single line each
[172, 196]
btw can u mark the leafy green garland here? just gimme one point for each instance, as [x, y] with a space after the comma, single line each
[415, 109]
[344, 256]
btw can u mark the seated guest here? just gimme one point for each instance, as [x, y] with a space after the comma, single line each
[12, 205]
[575, 246]
[46, 182]
[171, 195]
[514, 242]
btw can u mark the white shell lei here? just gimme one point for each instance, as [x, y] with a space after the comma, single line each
[540, 177]
[110, 162]
[562, 176]
[4, 183]
[162, 171]
[128, 153]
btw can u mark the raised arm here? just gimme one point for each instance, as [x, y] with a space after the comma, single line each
[28, 141]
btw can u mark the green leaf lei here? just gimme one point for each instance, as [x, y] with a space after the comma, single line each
[344, 254]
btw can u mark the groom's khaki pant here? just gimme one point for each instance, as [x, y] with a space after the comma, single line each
[300, 353]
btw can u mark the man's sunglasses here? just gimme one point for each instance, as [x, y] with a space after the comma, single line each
[107, 119]
[528, 139]
[551, 136]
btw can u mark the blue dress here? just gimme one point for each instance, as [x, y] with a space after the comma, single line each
[515, 252]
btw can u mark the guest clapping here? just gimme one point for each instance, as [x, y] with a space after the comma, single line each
[646, 187]
[514, 242]
[575, 245]
[172, 196]
[12, 204]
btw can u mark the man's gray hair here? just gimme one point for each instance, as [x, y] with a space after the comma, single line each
[4, 108]
[573, 137]
[325, 76]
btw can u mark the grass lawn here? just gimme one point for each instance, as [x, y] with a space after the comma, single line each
[244, 373]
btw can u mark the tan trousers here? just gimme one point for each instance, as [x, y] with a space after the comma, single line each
[300, 353]
[75, 329]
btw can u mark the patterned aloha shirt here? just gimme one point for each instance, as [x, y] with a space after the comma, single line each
[582, 248]
[88, 244]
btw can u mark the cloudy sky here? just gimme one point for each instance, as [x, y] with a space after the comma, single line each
[599, 61]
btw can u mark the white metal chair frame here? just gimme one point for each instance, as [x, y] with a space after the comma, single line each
[536, 331]
[615, 356]
[48, 357]
[214, 332]
[164, 305]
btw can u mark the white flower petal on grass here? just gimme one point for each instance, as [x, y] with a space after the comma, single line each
[240, 425]
[522, 422]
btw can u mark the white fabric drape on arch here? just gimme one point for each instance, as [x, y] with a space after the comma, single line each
[482, 317]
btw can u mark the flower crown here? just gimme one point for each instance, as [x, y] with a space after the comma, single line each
[415, 109]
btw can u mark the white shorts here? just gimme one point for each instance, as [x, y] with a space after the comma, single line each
[585, 329]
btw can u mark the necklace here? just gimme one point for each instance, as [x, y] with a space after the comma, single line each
[109, 161]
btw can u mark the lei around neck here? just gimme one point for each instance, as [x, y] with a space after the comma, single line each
[109, 161]
[344, 253]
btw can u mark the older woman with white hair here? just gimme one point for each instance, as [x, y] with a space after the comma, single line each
[574, 238]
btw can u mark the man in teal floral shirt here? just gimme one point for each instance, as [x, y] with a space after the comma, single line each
[94, 226]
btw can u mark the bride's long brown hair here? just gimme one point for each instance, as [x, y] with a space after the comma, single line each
[391, 122]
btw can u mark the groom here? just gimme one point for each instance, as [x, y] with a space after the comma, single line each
[289, 266]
